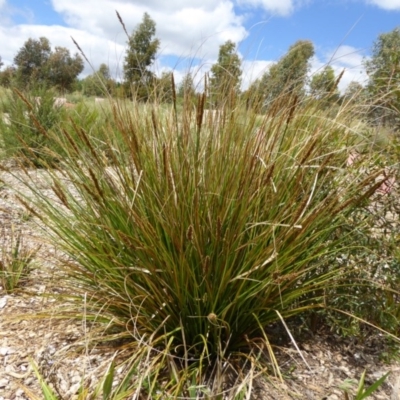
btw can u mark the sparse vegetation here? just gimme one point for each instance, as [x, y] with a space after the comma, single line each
[29, 117]
[16, 260]
[362, 392]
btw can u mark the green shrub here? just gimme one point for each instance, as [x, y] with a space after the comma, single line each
[370, 290]
[29, 120]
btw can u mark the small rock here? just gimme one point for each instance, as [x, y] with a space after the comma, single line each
[74, 388]
[332, 397]
[28, 381]
[3, 302]
[41, 289]
[76, 379]
[4, 351]
[63, 385]
[4, 382]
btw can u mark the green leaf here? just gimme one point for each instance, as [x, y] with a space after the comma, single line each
[107, 386]
[47, 392]
[363, 395]
[360, 388]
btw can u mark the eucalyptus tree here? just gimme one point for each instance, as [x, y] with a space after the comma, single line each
[383, 69]
[140, 56]
[288, 75]
[225, 74]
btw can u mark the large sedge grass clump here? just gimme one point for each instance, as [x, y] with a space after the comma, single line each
[189, 233]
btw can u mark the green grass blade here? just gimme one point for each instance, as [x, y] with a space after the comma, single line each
[361, 394]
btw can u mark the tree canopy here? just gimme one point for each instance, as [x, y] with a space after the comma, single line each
[31, 61]
[383, 69]
[186, 88]
[37, 64]
[99, 83]
[62, 69]
[7, 76]
[288, 75]
[323, 86]
[225, 73]
[140, 55]
[164, 87]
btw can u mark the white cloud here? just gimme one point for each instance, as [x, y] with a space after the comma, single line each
[280, 7]
[347, 56]
[275, 7]
[187, 30]
[386, 4]
[208, 30]
[200, 26]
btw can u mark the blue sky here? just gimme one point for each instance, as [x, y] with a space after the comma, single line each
[191, 31]
[327, 23]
